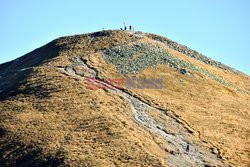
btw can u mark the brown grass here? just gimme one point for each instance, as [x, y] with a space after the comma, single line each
[94, 127]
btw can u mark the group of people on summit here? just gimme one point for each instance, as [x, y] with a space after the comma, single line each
[130, 28]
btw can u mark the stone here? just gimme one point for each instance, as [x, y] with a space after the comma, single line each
[184, 71]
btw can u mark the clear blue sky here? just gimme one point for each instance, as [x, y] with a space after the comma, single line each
[219, 29]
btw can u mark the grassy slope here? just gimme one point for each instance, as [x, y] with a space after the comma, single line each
[57, 119]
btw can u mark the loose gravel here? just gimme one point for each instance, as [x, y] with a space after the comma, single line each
[139, 56]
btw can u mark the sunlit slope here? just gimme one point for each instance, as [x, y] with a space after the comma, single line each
[50, 117]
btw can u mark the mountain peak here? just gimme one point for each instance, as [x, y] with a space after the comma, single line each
[122, 98]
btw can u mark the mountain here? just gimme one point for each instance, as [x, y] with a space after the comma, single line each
[122, 98]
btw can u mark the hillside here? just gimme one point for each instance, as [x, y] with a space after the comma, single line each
[52, 112]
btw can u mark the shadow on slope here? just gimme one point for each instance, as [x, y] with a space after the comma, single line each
[15, 153]
[14, 73]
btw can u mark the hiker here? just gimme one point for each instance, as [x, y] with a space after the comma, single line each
[187, 148]
[125, 28]
[130, 27]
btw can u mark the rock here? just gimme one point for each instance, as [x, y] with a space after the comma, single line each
[214, 151]
[184, 71]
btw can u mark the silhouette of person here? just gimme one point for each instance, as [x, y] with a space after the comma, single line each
[125, 28]
[130, 28]
[187, 148]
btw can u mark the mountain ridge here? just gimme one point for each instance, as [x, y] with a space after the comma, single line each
[48, 87]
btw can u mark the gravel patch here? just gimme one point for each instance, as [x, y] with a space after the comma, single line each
[192, 53]
[139, 56]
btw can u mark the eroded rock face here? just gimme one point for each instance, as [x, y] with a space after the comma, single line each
[50, 117]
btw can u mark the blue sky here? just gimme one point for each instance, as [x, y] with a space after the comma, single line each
[219, 29]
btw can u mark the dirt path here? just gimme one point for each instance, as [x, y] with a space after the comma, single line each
[176, 142]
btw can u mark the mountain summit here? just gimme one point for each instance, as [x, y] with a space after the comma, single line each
[122, 98]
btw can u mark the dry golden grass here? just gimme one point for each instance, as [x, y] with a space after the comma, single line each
[55, 113]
